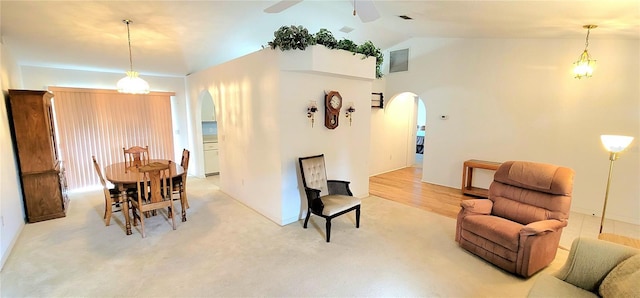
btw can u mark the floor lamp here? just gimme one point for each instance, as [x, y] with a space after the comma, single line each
[614, 144]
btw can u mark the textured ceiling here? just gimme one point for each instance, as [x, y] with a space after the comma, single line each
[175, 38]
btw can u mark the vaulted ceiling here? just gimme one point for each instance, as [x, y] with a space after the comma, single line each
[175, 38]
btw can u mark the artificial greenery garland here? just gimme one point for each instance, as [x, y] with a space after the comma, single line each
[298, 37]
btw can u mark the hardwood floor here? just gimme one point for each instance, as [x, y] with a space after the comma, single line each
[404, 186]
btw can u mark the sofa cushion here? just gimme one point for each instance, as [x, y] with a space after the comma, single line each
[498, 230]
[623, 280]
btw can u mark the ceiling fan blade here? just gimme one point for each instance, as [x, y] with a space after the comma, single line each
[280, 6]
[366, 10]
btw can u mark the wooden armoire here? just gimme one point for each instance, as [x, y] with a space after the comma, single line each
[44, 188]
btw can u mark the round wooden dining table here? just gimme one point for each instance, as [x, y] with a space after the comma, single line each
[122, 178]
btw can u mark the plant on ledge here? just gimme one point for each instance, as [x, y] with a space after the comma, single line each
[298, 38]
[348, 45]
[368, 49]
[291, 38]
[325, 38]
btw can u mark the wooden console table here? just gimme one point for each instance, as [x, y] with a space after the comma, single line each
[467, 176]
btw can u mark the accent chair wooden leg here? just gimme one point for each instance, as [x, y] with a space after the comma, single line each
[328, 229]
[358, 217]
[306, 219]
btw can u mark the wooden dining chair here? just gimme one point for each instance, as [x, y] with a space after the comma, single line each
[155, 189]
[111, 195]
[180, 184]
[135, 156]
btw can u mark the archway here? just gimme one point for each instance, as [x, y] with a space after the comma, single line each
[209, 135]
[393, 134]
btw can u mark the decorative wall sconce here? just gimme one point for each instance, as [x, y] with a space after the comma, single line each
[350, 111]
[311, 111]
[584, 66]
[614, 144]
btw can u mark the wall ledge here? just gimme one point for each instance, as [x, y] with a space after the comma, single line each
[320, 59]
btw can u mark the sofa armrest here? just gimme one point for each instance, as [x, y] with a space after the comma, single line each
[590, 260]
[538, 227]
[547, 286]
[476, 206]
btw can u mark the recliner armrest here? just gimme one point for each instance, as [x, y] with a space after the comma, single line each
[339, 187]
[477, 206]
[537, 227]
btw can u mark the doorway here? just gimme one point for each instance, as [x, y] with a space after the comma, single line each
[209, 124]
[421, 122]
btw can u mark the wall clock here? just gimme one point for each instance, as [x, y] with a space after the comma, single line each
[332, 104]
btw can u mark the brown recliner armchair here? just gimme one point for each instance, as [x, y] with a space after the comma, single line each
[518, 228]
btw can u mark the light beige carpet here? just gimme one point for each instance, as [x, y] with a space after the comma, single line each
[226, 249]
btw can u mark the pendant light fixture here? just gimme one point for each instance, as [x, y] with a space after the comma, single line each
[584, 66]
[132, 83]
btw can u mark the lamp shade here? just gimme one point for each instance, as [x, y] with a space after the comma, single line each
[133, 84]
[614, 143]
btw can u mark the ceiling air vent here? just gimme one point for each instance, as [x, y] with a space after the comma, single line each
[346, 29]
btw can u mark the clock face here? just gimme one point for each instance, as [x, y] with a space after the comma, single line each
[335, 102]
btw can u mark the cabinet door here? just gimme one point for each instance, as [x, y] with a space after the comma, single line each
[43, 196]
[33, 130]
[211, 162]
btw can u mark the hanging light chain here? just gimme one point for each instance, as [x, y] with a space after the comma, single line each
[588, 27]
[586, 43]
[126, 21]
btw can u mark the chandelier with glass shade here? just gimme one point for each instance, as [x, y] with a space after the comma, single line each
[132, 83]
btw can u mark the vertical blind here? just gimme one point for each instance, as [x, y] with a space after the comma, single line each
[102, 122]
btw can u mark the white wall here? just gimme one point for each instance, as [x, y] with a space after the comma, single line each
[261, 101]
[517, 100]
[40, 78]
[12, 218]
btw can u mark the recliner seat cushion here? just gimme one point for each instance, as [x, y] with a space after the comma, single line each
[498, 230]
[337, 203]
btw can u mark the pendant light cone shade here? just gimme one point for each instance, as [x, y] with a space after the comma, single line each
[132, 83]
[584, 66]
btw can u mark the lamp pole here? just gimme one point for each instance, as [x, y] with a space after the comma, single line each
[612, 157]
